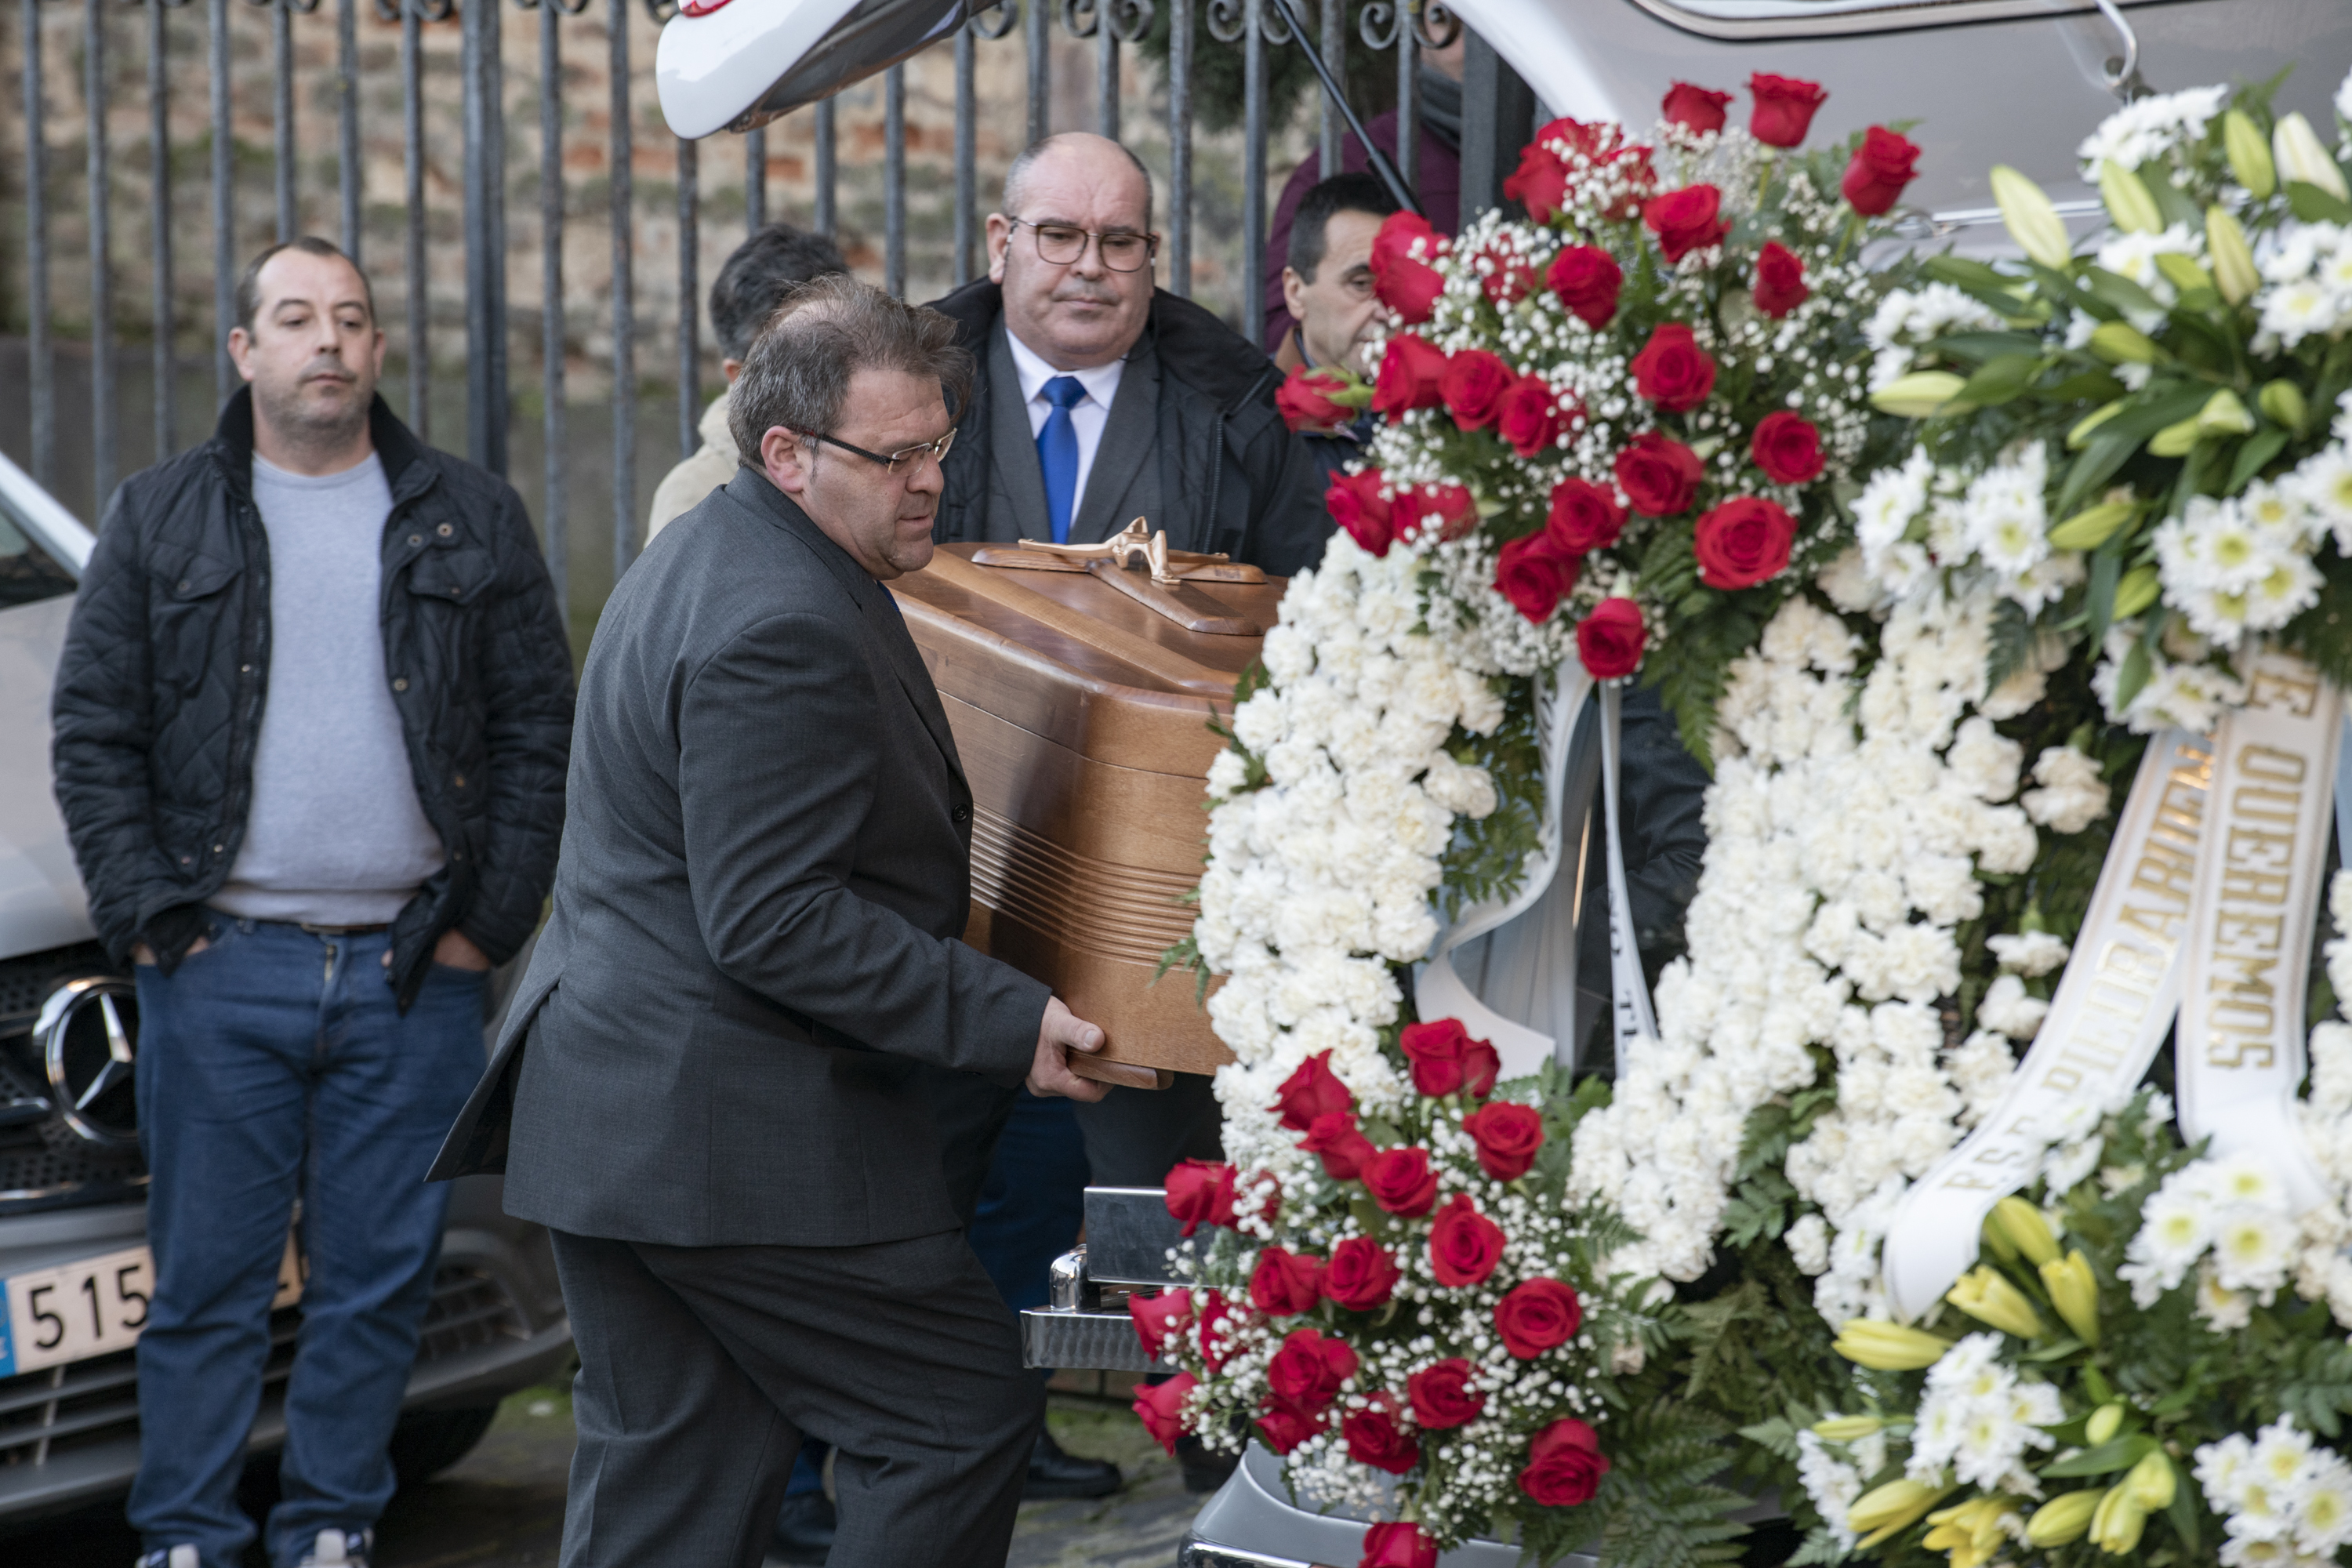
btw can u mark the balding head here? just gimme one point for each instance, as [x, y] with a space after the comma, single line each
[1076, 311]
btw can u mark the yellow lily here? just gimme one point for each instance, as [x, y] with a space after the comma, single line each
[2303, 157]
[1920, 395]
[2086, 529]
[2104, 1423]
[2224, 415]
[1888, 1347]
[2116, 1522]
[2152, 1481]
[2024, 1223]
[2127, 200]
[2119, 343]
[2061, 1519]
[2249, 156]
[1898, 1505]
[2074, 1291]
[2033, 222]
[2183, 271]
[2174, 440]
[2136, 592]
[1847, 1429]
[2233, 258]
[1970, 1531]
[1985, 1294]
[2283, 401]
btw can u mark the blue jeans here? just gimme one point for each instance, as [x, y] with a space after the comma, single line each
[273, 1067]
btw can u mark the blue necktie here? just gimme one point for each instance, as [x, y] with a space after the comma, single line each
[1058, 452]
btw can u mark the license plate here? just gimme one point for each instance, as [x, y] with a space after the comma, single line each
[93, 1307]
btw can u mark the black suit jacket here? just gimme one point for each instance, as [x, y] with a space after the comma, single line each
[755, 942]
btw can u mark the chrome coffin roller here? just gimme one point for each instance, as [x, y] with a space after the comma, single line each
[734, 65]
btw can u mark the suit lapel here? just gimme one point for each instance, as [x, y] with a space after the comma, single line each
[1124, 455]
[1017, 502]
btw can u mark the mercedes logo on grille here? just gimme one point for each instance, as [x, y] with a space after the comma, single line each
[88, 1034]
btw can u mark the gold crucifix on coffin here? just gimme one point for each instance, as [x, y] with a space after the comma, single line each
[1165, 585]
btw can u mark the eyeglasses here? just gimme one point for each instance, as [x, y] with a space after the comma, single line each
[904, 460]
[1123, 249]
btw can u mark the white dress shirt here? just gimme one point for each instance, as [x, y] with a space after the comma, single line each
[1087, 416]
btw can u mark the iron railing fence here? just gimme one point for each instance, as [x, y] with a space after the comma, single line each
[164, 146]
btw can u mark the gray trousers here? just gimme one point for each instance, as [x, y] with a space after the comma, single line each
[702, 1367]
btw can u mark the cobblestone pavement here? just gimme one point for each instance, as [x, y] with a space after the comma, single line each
[502, 1507]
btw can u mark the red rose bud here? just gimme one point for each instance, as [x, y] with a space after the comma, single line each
[1609, 640]
[1587, 278]
[1882, 166]
[1444, 1397]
[1412, 376]
[1286, 1283]
[1535, 1315]
[1512, 280]
[1305, 400]
[1435, 1050]
[1356, 504]
[1342, 1148]
[1584, 517]
[1401, 1182]
[1161, 1407]
[1464, 1246]
[1540, 184]
[1687, 220]
[1533, 574]
[1564, 1464]
[1361, 1276]
[1742, 543]
[1787, 447]
[1781, 284]
[1507, 1135]
[1658, 474]
[1694, 109]
[1308, 1369]
[1313, 1091]
[1402, 1545]
[1531, 418]
[1283, 1427]
[1671, 370]
[1784, 108]
[1480, 1066]
[1201, 1192]
[1449, 512]
[1157, 1317]
[1409, 288]
[1374, 1439]
[1473, 387]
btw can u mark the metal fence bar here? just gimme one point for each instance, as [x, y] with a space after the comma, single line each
[1253, 41]
[38, 378]
[223, 149]
[158, 221]
[281, 86]
[1041, 70]
[966, 164]
[555, 505]
[350, 175]
[828, 216]
[1179, 147]
[485, 222]
[1408, 147]
[755, 180]
[1329, 126]
[894, 181]
[101, 283]
[624, 321]
[411, 131]
[1106, 71]
[689, 380]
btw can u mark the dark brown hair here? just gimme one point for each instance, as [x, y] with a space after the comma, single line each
[797, 372]
[248, 287]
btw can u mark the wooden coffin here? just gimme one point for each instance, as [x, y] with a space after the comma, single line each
[1080, 708]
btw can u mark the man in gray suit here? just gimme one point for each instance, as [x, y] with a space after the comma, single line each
[708, 1088]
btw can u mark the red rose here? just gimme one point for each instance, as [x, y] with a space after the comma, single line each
[1540, 184]
[1882, 166]
[1217, 1324]
[1443, 1395]
[1531, 418]
[1201, 1192]
[1564, 1464]
[1312, 1091]
[1784, 108]
[1535, 1315]
[1435, 1049]
[1507, 1135]
[1510, 280]
[1658, 474]
[1413, 374]
[1362, 1275]
[1161, 1407]
[1374, 1439]
[1464, 1246]
[1284, 1426]
[1404, 1545]
[1286, 1283]
[1408, 287]
[1781, 284]
[1694, 107]
[1584, 517]
[1532, 573]
[1473, 387]
[1401, 1182]
[1687, 220]
[1671, 370]
[1480, 1066]
[1308, 1369]
[1586, 279]
[1342, 1148]
[1356, 504]
[1609, 640]
[1577, 150]
[1157, 1317]
[1742, 543]
[1305, 400]
[1787, 447]
[1448, 510]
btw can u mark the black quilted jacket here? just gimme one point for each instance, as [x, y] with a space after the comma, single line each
[165, 670]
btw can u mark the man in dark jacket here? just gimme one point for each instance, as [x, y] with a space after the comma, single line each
[310, 728]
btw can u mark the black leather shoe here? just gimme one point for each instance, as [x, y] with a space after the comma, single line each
[1054, 1474]
[1204, 1469]
[804, 1526]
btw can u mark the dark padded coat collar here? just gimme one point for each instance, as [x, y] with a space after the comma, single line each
[1194, 346]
